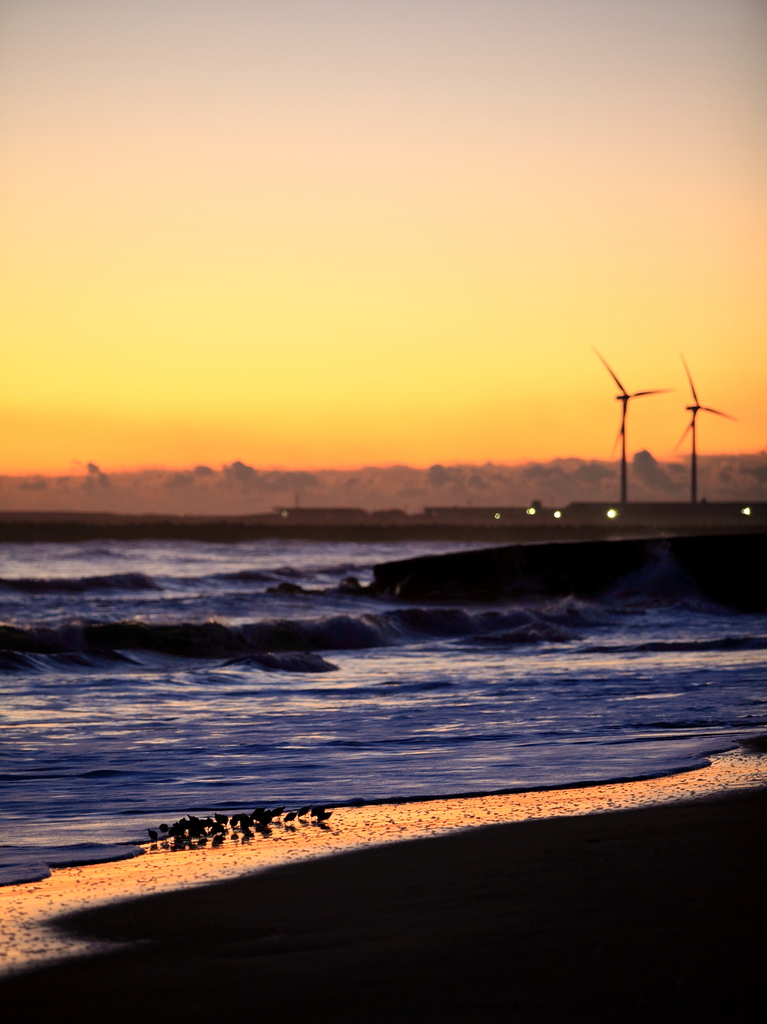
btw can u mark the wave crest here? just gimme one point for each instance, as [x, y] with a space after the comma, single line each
[79, 585]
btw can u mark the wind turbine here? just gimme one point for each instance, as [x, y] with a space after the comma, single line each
[695, 409]
[624, 398]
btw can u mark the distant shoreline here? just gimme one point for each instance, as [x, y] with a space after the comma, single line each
[73, 527]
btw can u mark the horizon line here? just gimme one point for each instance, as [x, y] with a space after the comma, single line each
[83, 469]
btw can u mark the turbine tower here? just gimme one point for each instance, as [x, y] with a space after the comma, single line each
[695, 409]
[624, 398]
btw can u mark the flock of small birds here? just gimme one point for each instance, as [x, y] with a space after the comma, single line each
[192, 831]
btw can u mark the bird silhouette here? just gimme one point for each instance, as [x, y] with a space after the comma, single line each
[192, 831]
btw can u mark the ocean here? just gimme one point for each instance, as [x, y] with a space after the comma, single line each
[145, 680]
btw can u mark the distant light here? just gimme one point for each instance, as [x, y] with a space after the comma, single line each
[497, 515]
[284, 513]
[557, 515]
[745, 511]
[530, 511]
[611, 513]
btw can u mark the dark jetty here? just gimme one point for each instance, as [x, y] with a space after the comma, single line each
[730, 570]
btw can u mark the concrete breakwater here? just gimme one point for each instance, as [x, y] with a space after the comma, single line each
[730, 570]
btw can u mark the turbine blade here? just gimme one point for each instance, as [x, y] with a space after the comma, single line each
[687, 430]
[726, 415]
[617, 440]
[660, 391]
[604, 361]
[689, 377]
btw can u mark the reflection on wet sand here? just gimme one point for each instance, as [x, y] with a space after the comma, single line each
[28, 938]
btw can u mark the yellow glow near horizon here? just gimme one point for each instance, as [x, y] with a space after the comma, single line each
[329, 234]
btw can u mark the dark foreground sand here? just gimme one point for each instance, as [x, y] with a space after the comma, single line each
[651, 915]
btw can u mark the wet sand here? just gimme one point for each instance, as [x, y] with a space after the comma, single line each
[649, 914]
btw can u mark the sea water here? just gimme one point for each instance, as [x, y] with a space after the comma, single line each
[162, 678]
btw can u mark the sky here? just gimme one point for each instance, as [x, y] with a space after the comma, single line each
[337, 233]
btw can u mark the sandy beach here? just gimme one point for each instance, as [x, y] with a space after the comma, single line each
[647, 914]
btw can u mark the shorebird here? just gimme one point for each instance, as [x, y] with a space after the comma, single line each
[195, 827]
[187, 830]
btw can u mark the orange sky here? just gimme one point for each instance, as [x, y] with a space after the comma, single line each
[315, 233]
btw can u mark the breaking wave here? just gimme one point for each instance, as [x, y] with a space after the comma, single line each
[216, 640]
[286, 662]
[267, 642]
[725, 643]
[117, 581]
[26, 661]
